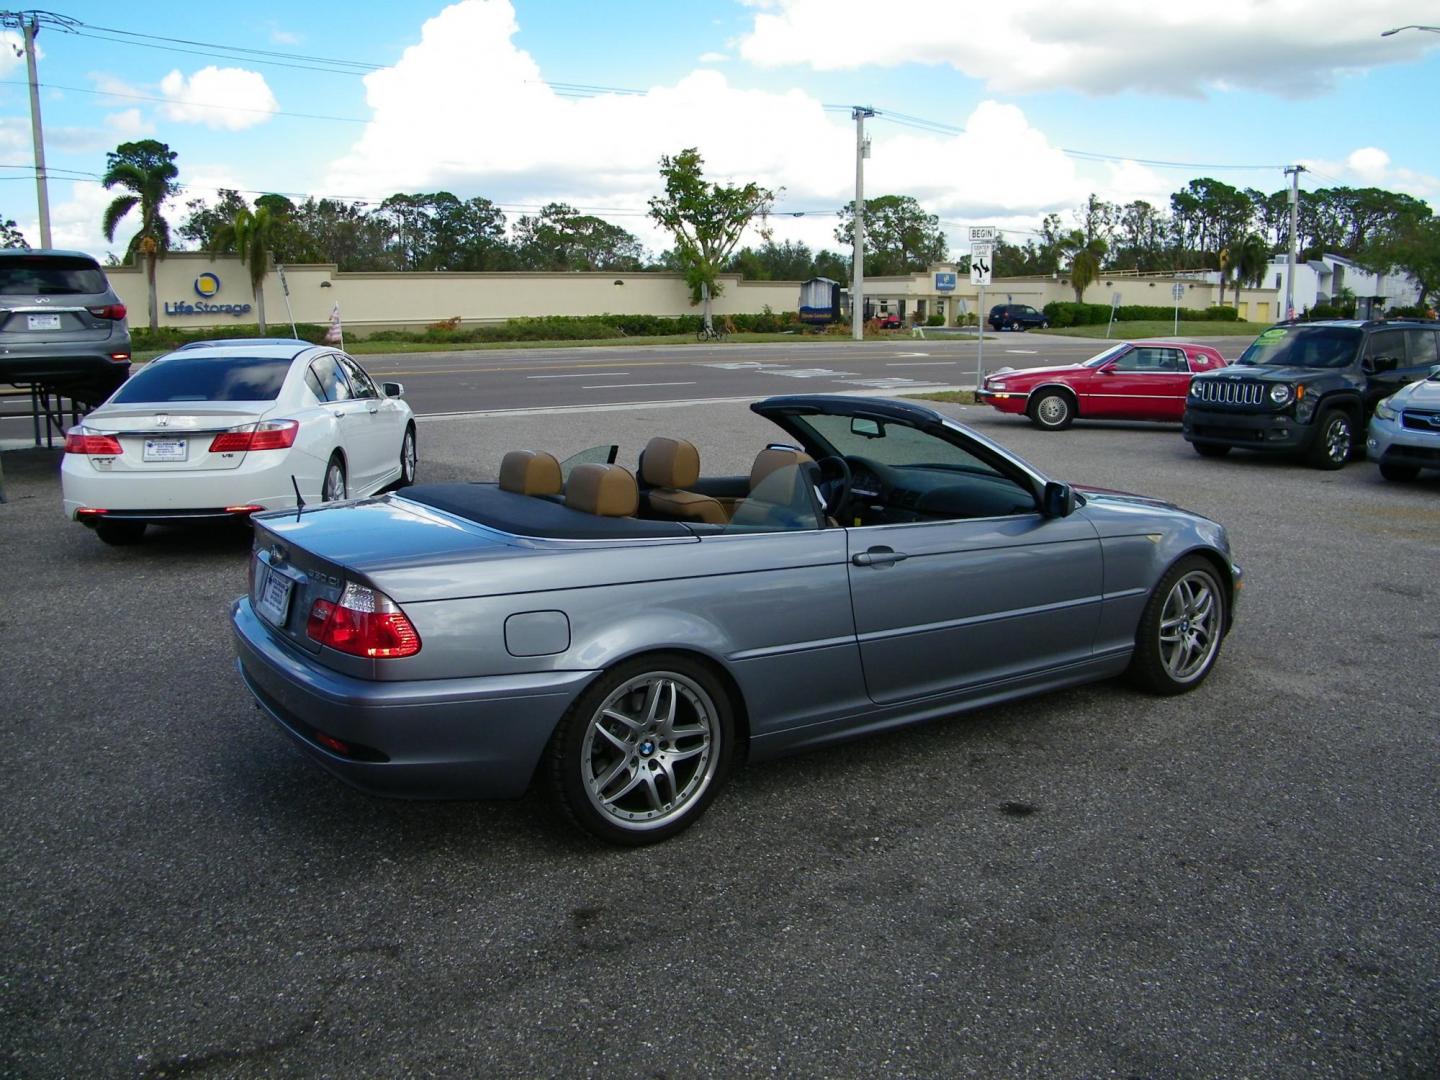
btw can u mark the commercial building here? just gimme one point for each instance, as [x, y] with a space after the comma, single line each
[196, 290]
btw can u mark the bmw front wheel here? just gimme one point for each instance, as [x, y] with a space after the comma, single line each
[641, 753]
[1181, 629]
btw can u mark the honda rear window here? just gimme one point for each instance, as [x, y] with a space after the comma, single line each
[206, 378]
[50, 275]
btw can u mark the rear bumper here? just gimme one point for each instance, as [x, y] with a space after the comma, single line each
[1252, 431]
[163, 496]
[433, 739]
[91, 362]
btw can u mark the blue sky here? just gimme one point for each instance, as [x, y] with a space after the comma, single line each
[464, 97]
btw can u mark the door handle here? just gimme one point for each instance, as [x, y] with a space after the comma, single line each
[339, 414]
[878, 556]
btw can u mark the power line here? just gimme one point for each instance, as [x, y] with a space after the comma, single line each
[190, 104]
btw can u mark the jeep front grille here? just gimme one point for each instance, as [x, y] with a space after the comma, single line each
[1228, 392]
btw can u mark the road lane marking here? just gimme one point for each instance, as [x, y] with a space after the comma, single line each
[629, 385]
[1023, 352]
[926, 363]
[583, 375]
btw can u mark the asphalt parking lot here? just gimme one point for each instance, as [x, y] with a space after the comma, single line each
[1244, 881]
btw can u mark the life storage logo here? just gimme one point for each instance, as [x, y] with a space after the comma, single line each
[207, 285]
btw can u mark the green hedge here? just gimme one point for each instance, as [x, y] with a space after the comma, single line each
[581, 327]
[1067, 313]
[143, 339]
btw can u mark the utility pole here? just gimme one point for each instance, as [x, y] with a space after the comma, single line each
[28, 23]
[1293, 171]
[857, 279]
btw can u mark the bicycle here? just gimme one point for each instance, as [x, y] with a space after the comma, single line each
[710, 333]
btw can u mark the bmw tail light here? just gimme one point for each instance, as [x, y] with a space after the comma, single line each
[109, 311]
[364, 622]
[267, 435]
[82, 440]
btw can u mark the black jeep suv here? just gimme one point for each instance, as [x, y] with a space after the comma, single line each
[1307, 388]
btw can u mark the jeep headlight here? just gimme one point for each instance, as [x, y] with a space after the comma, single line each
[1281, 393]
[1384, 410]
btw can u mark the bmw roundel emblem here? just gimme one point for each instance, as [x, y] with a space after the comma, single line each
[207, 285]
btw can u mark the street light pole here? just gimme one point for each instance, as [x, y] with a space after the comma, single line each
[1431, 29]
[857, 279]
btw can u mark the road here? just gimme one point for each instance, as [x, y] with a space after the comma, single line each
[1239, 882]
[445, 383]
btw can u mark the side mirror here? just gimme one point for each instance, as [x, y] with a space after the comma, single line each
[393, 389]
[1058, 501]
[867, 428]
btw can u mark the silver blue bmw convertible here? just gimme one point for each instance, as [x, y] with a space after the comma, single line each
[626, 637]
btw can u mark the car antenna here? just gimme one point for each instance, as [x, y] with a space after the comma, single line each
[299, 499]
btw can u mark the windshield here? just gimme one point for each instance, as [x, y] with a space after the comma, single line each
[1100, 357]
[179, 377]
[1304, 346]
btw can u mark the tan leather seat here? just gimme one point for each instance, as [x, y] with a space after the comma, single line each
[530, 472]
[669, 466]
[771, 460]
[606, 490]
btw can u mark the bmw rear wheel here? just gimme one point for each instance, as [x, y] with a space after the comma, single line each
[1181, 629]
[641, 753]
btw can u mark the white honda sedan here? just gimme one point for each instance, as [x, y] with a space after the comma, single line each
[226, 429]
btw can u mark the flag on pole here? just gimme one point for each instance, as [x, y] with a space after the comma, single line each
[336, 334]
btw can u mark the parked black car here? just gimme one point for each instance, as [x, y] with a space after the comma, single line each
[1016, 317]
[61, 323]
[1307, 388]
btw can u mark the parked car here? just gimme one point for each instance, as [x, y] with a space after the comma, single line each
[1016, 317]
[889, 320]
[1307, 388]
[61, 323]
[627, 642]
[227, 429]
[1404, 432]
[1134, 380]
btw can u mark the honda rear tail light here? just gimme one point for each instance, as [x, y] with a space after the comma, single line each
[363, 622]
[81, 440]
[266, 435]
[109, 311]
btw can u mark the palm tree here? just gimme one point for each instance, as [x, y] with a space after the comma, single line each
[250, 235]
[1085, 259]
[146, 170]
[1251, 262]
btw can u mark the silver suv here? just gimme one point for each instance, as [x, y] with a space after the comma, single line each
[61, 323]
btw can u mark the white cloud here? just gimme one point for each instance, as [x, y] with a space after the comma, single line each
[602, 153]
[230, 99]
[1293, 48]
[283, 37]
[712, 58]
[1370, 166]
[129, 124]
[12, 52]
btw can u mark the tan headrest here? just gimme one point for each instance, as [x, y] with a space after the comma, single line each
[530, 472]
[670, 463]
[770, 459]
[607, 490]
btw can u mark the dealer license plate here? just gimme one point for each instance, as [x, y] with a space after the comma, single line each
[44, 322]
[166, 449]
[274, 602]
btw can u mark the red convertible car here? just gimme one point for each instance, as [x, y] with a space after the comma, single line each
[1134, 380]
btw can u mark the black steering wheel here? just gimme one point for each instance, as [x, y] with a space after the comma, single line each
[834, 485]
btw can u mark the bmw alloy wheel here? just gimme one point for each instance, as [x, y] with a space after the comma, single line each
[650, 750]
[1190, 626]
